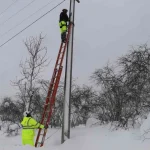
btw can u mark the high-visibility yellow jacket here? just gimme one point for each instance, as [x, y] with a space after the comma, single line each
[63, 26]
[28, 125]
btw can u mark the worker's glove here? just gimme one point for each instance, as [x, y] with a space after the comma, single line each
[46, 126]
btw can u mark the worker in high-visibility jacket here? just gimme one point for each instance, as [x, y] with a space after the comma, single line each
[63, 24]
[28, 128]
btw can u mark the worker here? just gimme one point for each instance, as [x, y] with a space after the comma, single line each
[63, 24]
[29, 125]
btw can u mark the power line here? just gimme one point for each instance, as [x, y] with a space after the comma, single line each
[52, 134]
[17, 12]
[8, 7]
[32, 23]
[25, 19]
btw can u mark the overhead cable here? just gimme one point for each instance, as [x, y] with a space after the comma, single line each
[25, 19]
[17, 13]
[32, 23]
[8, 7]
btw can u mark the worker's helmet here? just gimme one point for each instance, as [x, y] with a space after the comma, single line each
[65, 10]
[27, 114]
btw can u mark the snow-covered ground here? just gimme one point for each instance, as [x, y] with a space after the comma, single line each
[85, 138]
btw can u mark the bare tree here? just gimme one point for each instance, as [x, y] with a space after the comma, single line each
[112, 96]
[125, 95]
[30, 70]
[136, 68]
[83, 104]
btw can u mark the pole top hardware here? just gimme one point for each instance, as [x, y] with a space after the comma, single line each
[78, 1]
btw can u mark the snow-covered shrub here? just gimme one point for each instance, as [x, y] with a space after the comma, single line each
[92, 121]
[9, 111]
[12, 129]
[6, 104]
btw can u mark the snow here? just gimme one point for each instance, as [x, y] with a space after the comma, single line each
[6, 104]
[92, 136]
[82, 138]
[145, 128]
[13, 127]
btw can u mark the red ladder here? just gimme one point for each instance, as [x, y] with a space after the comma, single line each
[50, 100]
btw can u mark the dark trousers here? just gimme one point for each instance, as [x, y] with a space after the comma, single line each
[63, 37]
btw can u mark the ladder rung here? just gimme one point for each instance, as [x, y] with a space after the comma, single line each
[58, 64]
[50, 90]
[47, 104]
[45, 117]
[53, 80]
[47, 111]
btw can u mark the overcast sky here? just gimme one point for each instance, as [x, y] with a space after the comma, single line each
[104, 30]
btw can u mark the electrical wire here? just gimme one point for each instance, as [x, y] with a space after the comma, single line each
[32, 23]
[26, 19]
[52, 134]
[8, 7]
[17, 12]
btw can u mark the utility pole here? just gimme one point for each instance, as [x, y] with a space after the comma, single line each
[68, 78]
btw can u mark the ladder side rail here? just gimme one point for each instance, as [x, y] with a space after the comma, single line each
[55, 71]
[38, 136]
[56, 75]
[52, 100]
[53, 76]
[59, 53]
[68, 35]
[52, 103]
[46, 104]
[49, 93]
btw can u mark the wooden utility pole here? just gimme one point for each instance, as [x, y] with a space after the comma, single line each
[68, 78]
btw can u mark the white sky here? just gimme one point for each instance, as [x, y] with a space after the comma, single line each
[104, 30]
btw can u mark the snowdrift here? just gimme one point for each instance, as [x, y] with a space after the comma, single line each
[89, 137]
